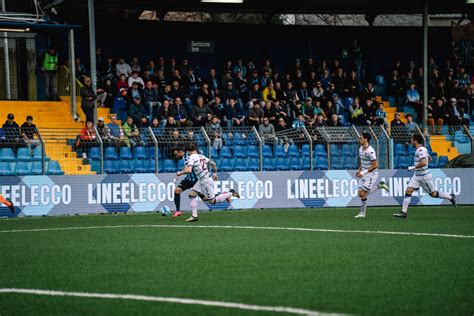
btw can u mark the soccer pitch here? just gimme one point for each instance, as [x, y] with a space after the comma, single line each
[259, 262]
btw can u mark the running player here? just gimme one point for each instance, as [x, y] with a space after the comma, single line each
[199, 164]
[422, 177]
[187, 183]
[367, 173]
[7, 203]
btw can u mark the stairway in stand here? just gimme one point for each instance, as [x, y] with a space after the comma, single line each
[56, 126]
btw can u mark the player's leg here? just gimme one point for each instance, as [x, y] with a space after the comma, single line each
[193, 203]
[412, 186]
[366, 187]
[225, 196]
[428, 185]
[363, 202]
[7, 203]
[177, 201]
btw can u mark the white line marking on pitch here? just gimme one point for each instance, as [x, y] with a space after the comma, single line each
[321, 230]
[277, 309]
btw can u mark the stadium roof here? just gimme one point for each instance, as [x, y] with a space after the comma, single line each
[281, 6]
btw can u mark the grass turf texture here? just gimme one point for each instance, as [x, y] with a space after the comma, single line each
[353, 273]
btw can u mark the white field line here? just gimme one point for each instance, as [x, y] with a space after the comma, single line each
[320, 230]
[177, 300]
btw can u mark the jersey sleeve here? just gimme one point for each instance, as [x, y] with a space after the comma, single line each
[192, 160]
[372, 155]
[423, 153]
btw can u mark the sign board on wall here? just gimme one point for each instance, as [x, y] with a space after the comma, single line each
[201, 47]
[61, 195]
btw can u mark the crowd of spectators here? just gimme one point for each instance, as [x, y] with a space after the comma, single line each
[14, 136]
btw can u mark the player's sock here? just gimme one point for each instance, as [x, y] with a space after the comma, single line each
[4, 201]
[177, 201]
[443, 195]
[223, 196]
[406, 203]
[363, 205]
[194, 206]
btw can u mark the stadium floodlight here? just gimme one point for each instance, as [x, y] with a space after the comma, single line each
[222, 1]
[15, 30]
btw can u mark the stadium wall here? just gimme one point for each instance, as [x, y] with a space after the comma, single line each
[67, 195]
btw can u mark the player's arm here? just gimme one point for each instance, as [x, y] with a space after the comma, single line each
[423, 162]
[186, 170]
[213, 167]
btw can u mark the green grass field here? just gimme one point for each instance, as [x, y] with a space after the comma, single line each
[337, 271]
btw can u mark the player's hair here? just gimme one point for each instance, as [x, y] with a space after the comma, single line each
[419, 139]
[367, 136]
[179, 148]
[191, 147]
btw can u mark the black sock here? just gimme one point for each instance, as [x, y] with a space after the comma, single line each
[177, 201]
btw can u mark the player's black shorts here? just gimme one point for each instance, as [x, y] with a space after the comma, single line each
[186, 184]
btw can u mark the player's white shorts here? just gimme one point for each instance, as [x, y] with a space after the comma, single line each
[426, 182]
[205, 187]
[368, 181]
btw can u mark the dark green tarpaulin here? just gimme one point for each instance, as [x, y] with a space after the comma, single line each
[461, 161]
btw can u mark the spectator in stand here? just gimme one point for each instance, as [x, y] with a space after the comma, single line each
[49, 69]
[122, 83]
[108, 70]
[12, 131]
[81, 72]
[325, 79]
[234, 116]
[176, 141]
[87, 139]
[396, 122]
[369, 92]
[206, 94]
[191, 81]
[256, 115]
[152, 69]
[254, 78]
[318, 91]
[117, 136]
[437, 115]
[254, 95]
[177, 91]
[334, 122]
[135, 78]
[170, 124]
[240, 84]
[171, 67]
[280, 93]
[136, 110]
[28, 133]
[229, 93]
[110, 93]
[320, 121]
[369, 111]
[299, 122]
[269, 93]
[266, 79]
[281, 126]
[331, 109]
[155, 127]
[266, 130]
[87, 99]
[184, 67]
[290, 94]
[352, 85]
[135, 65]
[201, 113]
[160, 81]
[270, 112]
[215, 132]
[134, 91]
[414, 99]
[412, 126]
[103, 130]
[212, 81]
[456, 114]
[218, 109]
[339, 81]
[181, 115]
[381, 116]
[357, 116]
[123, 68]
[132, 133]
[151, 99]
[165, 111]
[395, 88]
[240, 68]
[267, 67]
[303, 93]
[409, 79]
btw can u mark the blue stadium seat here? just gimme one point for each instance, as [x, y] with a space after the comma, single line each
[400, 150]
[463, 148]
[293, 151]
[401, 162]
[295, 163]
[54, 168]
[125, 166]
[95, 165]
[282, 163]
[319, 150]
[6, 169]
[306, 163]
[111, 166]
[239, 139]
[335, 149]
[305, 150]
[140, 152]
[268, 164]
[24, 154]
[279, 151]
[240, 151]
[227, 164]
[460, 137]
[321, 163]
[214, 153]
[267, 151]
[139, 166]
[225, 152]
[37, 168]
[336, 162]
[150, 165]
[110, 153]
[240, 164]
[347, 150]
[350, 163]
[94, 153]
[38, 153]
[442, 161]
[411, 150]
[6, 154]
[254, 164]
[253, 151]
[169, 166]
[125, 153]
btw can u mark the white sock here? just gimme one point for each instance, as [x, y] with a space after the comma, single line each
[363, 205]
[406, 203]
[222, 197]
[194, 206]
[443, 195]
